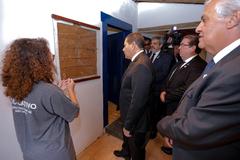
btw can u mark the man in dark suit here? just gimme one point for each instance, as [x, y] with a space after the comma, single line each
[134, 99]
[162, 63]
[206, 124]
[183, 73]
[147, 46]
[181, 76]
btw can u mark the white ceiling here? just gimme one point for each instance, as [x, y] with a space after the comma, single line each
[161, 30]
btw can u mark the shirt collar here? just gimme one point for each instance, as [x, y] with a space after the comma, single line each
[157, 53]
[225, 51]
[189, 59]
[136, 54]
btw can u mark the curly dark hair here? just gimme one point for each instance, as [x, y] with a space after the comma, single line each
[27, 61]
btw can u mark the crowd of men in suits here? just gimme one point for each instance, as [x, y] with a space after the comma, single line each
[202, 102]
[172, 76]
[152, 73]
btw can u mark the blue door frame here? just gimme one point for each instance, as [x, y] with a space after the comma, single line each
[108, 20]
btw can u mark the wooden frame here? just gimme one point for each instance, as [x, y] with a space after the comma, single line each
[76, 49]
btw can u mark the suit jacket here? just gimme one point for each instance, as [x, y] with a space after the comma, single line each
[135, 93]
[206, 125]
[162, 66]
[179, 79]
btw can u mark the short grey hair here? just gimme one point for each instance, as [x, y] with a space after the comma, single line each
[226, 8]
[160, 39]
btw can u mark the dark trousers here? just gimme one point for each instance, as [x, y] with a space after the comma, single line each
[135, 145]
[158, 111]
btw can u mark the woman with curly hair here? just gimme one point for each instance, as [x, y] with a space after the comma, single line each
[41, 111]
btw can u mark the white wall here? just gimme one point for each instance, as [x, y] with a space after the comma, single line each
[28, 18]
[1, 18]
[160, 14]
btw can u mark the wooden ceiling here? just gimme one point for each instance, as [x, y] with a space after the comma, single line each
[173, 1]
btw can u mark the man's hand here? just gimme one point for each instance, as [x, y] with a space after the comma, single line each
[126, 133]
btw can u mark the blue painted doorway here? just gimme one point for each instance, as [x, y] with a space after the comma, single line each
[114, 63]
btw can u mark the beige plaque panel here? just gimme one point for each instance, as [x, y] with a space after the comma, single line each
[77, 51]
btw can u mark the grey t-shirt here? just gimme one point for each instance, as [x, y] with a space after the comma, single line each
[41, 123]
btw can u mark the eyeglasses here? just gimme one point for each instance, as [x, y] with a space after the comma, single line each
[182, 44]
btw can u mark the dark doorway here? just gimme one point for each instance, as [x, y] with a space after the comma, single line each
[115, 65]
[114, 32]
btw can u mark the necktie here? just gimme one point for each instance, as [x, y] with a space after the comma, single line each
[152, 57]
[209, 66]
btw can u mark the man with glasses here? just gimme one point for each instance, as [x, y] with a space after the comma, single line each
[206, 124]
[181, 76]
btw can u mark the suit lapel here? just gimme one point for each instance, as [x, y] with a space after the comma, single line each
[173, 72]
[158, 56]
[224, 60]
[189, 63]
[127, 70]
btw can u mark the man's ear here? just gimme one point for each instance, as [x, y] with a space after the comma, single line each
[194, 48]
[133, 45]
[233, 20]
